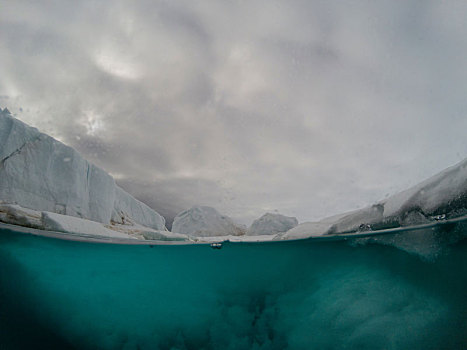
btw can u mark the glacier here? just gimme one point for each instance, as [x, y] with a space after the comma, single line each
[41, 173]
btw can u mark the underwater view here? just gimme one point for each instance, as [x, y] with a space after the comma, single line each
[362, 293]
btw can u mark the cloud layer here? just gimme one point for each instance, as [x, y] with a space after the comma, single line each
[305, 107]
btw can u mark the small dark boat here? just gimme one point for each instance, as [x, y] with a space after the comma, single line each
[216, 245]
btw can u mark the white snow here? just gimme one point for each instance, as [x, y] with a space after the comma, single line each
[41, 173]
[270, 224]
[202, 221]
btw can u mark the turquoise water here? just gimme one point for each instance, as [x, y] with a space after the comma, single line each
[280, 295]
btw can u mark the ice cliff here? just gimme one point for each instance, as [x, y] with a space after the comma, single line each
[41, 173]
[271, 224]
[202, 221]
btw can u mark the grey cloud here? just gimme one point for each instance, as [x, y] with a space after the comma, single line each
[305, 107]
[171, 196]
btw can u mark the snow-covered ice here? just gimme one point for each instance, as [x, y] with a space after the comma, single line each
[202, 221]
[270, 224]
[16, 215]
[69, 224]
[443, 195]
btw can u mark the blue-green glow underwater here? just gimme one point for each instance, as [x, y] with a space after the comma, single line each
[279, 295]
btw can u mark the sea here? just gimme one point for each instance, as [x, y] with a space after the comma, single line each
[402, 290]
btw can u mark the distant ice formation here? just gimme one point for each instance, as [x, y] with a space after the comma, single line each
[41, 173]
[202, 221]
[269, 224]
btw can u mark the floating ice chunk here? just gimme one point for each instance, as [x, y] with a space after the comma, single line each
[70, 224]
[163, 236]
[14, 214]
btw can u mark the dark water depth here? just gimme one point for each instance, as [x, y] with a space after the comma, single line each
[58, 294]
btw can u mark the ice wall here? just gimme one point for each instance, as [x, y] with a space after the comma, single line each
[41, 173]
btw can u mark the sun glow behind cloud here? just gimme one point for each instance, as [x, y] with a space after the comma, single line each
[117, 64]
[92, 122]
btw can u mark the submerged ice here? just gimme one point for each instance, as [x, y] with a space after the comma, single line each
[291, 295]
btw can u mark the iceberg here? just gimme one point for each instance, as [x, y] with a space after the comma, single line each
[441, 197]
[269, 224]
[41, 173]
[203, 221]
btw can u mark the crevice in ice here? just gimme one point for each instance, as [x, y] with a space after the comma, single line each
[19, 149]
[87, 175]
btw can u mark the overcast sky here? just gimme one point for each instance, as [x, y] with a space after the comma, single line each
[306, 107]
